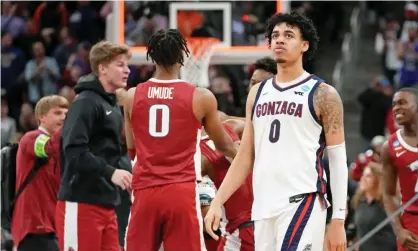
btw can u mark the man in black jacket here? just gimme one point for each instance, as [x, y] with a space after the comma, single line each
[90, 153]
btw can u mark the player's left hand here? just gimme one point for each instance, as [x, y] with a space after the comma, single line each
[335, 237]
[213, 219]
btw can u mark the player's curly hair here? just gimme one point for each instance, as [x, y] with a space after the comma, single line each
[267, 64]
[305, 25]
[166, 47]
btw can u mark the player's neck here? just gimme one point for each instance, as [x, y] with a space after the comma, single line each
[106, 85]
[410, 130]
[289, 73]
[166, 73]
[45, 129]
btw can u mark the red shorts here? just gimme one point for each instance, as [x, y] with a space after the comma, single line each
[168, 214]
[410, 222]
[242, 239]
[211, 244]
[86, 227]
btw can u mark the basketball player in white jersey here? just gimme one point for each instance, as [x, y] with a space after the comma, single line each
[290, 119]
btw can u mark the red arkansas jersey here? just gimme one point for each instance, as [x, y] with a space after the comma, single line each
[238, 206]
[405, 159]
[166, 133]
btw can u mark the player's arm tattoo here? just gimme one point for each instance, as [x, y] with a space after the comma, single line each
[328, 104]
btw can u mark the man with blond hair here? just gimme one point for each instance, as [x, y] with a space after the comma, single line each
[90, 152]
[33, 220]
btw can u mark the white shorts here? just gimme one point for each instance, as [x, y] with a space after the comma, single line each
[300, 227]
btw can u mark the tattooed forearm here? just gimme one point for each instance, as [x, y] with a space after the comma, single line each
[328, 104]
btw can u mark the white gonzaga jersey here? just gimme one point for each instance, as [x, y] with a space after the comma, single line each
[289, 143]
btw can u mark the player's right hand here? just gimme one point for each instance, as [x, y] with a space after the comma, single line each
[213, 219]
[122, 178]
[408, 240]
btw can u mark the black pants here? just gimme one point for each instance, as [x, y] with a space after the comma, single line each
[39, 242]
[122, 212]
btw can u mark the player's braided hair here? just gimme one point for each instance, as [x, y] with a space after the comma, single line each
[305, 25]
[166, 47]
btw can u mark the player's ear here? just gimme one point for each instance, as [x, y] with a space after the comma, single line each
[101, 68]
[305, 46]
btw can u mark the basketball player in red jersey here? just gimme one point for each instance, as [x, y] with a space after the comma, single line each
[400, 160]
[163, 120]
[239, 234]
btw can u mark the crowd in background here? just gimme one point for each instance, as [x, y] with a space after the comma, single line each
[397, 44]
[45, 48]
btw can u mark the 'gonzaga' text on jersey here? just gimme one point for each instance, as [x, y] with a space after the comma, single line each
[289, 143]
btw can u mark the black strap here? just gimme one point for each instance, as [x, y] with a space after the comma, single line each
[39, 162]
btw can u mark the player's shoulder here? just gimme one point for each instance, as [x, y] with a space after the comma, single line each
[29, 138]
[385, 152]
[131, 91]
[326, 89]
[326, 96]
[203, 95]
[261, 84]
[31, 134]
[254, 90]
[127, 98]
[121, 95]
[393, 140]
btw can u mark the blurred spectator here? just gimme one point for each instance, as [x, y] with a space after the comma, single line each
[84, 23]
[363, 159]
[386, 45]
[149, 23]
[68, 93]
[53, 15]
[27, 119]
[130, 23]
[41, 73]
[221, 87]
[77, 65]
[29, 36]
[8, 125]
[411, 17]
[12, 62]
[66, 47]
[71, 75]
[369, 211]
[408, 52]
[10, 22]
[376, 101]
[81, 58]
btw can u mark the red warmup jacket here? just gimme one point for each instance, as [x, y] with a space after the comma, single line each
[34, 211]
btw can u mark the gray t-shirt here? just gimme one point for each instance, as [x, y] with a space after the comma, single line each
[367, 216]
